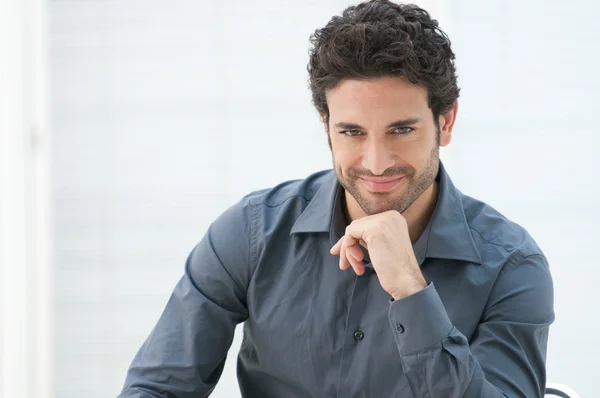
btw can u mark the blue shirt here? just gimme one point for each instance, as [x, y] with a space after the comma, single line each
[479, 328]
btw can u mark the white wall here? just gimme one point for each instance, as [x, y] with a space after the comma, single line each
[25, 266]
[527, 141]
[165, 113]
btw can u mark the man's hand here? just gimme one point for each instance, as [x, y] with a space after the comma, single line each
[385, 236]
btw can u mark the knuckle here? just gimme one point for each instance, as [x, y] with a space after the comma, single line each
[399, 217]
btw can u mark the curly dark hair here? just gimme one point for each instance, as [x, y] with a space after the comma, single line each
[379, 38]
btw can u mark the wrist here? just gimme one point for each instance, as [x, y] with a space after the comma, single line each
[408, 290]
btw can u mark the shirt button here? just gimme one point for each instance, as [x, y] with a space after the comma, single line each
[359, 335]
[399, 328]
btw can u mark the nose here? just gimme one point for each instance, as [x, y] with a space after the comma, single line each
[377, 156]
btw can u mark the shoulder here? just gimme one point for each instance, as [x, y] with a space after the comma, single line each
[497, 237]
[303, 190]
[519, 267]
[276, 209]
[240, 233]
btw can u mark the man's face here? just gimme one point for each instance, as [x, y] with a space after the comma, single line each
[384, 142]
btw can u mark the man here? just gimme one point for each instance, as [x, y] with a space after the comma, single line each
[445, 296]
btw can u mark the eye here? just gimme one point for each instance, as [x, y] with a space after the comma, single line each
[403, 130]
[351, 133]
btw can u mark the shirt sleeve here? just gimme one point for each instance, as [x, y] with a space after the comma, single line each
[507, 353]
[185, 353]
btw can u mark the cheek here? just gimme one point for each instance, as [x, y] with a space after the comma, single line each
[347, 160]
[408, 151]
[343, 153]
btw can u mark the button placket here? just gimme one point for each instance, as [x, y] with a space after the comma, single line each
[353, 332]
[359, 335]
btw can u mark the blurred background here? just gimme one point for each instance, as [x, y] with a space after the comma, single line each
[127, 126]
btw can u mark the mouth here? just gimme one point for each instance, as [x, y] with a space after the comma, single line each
[383, 184]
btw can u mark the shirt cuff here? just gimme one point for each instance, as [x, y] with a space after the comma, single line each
[419, 320]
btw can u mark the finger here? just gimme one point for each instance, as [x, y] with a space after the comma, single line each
[355, 227]
[353, 254]
[357, 265]
[335, 249]
[344, 261]
[356, 252]
[359, 231]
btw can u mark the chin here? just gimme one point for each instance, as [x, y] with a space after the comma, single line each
[377, 203]
[373, 211]
[382, 199]
[376, 207]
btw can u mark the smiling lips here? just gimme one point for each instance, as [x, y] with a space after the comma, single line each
[381, 184]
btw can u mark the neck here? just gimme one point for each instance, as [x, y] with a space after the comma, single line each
[418, 214]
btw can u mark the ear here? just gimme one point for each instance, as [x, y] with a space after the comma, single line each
[325, 121]
[446, 122]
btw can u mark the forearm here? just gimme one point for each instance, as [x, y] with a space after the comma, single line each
[184, 355]
[438, 361]
[141, 392]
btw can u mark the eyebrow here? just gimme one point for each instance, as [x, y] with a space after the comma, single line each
[396, 124]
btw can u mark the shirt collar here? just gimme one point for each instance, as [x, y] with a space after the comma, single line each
[324, 212]
[447, 235]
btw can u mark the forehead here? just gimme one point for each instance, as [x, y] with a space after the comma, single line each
[386, 97]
